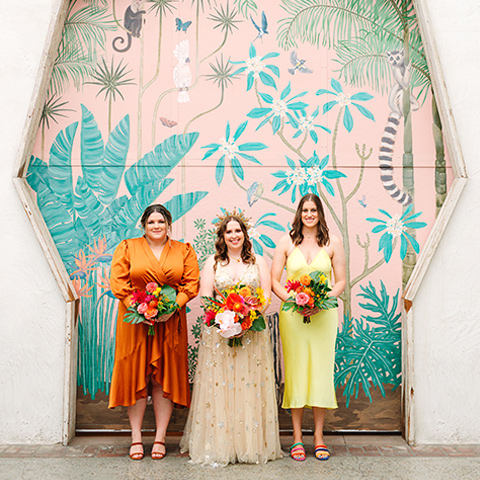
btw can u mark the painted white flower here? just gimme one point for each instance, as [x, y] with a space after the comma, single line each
[253, 233]
[297, 176]
[314, 175]
[395, 226]
[228, 148]
[305, 123]
[254, 65]
[343, 99]
[279, 107]
[228, 326]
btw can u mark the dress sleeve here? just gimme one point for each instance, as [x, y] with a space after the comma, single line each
[189, 285]
[120, 274]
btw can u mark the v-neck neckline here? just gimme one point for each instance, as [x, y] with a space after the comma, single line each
[305, 258]
[150, 251]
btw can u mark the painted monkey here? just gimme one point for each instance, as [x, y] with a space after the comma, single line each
[133, 22]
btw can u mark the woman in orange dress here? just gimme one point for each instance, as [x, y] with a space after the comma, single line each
[152, 364]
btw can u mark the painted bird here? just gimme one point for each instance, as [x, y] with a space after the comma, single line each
[254, 192]
[298, 64]
[261, 30]
[182, 75]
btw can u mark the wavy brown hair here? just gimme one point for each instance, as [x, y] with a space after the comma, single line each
[323, 238]
[221, 254]
[156, 207]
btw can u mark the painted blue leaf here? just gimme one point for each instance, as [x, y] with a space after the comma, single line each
[270, 55]
[297, 134]
[264, 121]
[274, 225]
[252, 52]
[279, 174]
[296, 105]
[322, 91]
[403, 247]
[237, 168]
[267, 241]
[328, 187]
[250, 80]
[240, 129]
[250, 158]
[411, 217]
[220, 170]
[88, 209]
[275, 70]
[181, 204]
[212, 145]
[91, 148]
[257, 248]
[281, 184]
[415, 224]
[227, 132]
[251, 146]
[348, 119]
[291, 163]
[158, 163]
[324, 162]
[276, 123]
[336, 85]
[324, 128]
[379, 228]
[37, 173]
[60, 165]
[316, 111]
[371, 219]
[267, 79]
[113, 164]
[266, 97]
[304, 188]
[314, 136]
[364, 111]
[258, 112]
[329, 105]
[293, 120]
[412, 240]
[361, 97]
[285, 92]
[294, 194]
[385, 244]
[384, 212]
[239, 71]
[210, 153]
[298, 96]
[240, 62]
[333, 174]
[406, 212]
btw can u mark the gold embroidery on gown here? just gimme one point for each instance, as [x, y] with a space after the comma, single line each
[233, 415]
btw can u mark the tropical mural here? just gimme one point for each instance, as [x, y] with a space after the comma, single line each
[203, 105]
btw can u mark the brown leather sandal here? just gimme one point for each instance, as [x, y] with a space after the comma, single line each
[159, 455]
[136, 455]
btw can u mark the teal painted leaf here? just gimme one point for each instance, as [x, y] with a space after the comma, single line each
[276, 123]
[251, 146]
[88, 209]
[285, 92]
[257, 248]
[333, 174]
[220, 170]
[250, 80]
[250, 158]
[267, 79]
[164, 157]
[270, 55]
[274, 225]
[227, 131]
[237, 168]
[297, 105]
[179, 205]
[37, 173]
[329, 105]
[364, 111]
[240, 129]
[91, 149]
[266, 97]
[252, 52]
[258, 112]
[322, 91]
[361, 96]
[275, 70]
[336, 86]
[267, 241]
[348, 120]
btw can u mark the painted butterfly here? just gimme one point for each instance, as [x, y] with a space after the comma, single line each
[182, 25]
[168, 123]
[362, 201]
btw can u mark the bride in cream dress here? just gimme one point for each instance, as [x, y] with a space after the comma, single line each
[233, 416]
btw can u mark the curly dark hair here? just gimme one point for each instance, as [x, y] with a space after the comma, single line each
[323, 238]
[221, 254]
[156, 207]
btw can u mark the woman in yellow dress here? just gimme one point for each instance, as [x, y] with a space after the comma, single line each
[309, 348]
[152, 363]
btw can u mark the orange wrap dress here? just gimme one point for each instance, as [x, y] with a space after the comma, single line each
[163, 355]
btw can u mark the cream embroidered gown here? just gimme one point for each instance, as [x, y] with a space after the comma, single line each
[233, 415]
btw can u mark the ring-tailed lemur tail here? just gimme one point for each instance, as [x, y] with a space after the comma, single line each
[402, 75]
[386, 159]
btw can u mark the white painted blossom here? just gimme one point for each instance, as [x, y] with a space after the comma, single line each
[253, 233]
[297, 176]
[254, 65]
[279, 107]
[306, 123]
[343, 99]
[228, 148]
[314, 175]
[395, 227]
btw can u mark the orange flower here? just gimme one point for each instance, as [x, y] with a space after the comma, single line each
[309, 291]
[305, 280]
[246, 324]
[245, 292]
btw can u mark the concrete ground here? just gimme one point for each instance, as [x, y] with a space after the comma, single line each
[353, 457]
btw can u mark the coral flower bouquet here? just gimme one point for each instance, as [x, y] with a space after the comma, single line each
[309, 291]
[150, 304]
[235, 311]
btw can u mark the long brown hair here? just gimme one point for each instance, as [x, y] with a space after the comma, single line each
[221, 254]
[323, 238]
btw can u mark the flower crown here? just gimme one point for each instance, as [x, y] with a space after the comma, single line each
[235, 213]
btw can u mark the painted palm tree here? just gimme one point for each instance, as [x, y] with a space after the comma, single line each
[110, 79]
[361, 33]
[83, 36]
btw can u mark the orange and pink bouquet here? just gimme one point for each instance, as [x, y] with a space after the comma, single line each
[309, 291]
[235, 311]
[150, 304]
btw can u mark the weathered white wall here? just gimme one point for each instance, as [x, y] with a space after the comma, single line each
[446, 309]
[32, 314]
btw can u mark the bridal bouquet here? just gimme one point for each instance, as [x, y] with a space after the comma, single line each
[309, 291]
[236, 310]
[150, 304]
